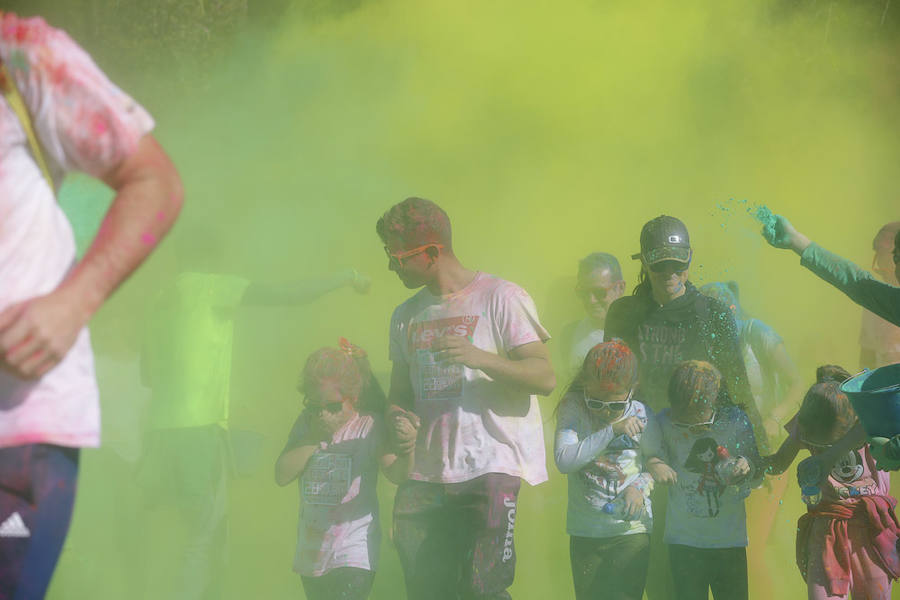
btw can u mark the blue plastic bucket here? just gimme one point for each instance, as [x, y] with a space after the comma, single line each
[875, 396]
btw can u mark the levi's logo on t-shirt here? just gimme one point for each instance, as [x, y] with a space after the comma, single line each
[437, 380]
[422, 334]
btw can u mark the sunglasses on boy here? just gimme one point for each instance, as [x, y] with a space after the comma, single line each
[395, 259]
[697, 427]
[594, 404]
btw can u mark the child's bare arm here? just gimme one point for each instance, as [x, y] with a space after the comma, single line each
[776, 464]
[660, 471]
[396, 467]
[395, 462]
[306, 437]
[815, 468]
[292, 463]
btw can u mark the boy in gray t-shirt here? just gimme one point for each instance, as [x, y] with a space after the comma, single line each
[704, 448]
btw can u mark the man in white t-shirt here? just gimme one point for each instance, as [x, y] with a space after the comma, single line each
[468, 359]
[48, 394]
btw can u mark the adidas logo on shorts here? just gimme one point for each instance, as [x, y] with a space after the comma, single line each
[14, 527]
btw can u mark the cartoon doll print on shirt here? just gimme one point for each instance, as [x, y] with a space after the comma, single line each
[704, 457]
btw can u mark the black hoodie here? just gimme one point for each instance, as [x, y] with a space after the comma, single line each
[690, 327]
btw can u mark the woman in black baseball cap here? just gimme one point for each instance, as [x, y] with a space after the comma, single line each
[666, 321]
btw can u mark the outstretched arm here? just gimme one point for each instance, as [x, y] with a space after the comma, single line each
[303, 292]
[879, 297]
[776, 464]
[36, 334]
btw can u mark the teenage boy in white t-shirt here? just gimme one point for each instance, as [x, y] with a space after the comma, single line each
[468, 360]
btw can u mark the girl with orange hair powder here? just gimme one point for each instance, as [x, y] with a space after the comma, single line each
[598, 433]
[334, 448]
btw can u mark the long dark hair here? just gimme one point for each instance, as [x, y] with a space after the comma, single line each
[643, 286]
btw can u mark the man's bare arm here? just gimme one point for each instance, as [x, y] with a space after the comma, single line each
[37, 333]
[305, 291]
[527, 368]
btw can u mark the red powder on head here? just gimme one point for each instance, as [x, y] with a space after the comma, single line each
[612, 365]
[415, 221]
[148, 238]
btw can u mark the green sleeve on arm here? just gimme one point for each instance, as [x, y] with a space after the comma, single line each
[859, 285]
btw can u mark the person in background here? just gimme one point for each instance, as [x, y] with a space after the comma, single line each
[186, 362]
[60, 114]
[775, 382]
[599, 284]
[777, 391]
[879, 340]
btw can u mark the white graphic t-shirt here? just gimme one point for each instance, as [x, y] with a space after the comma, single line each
[599, 466]
[471, 424]
[338, 503]
[706, 504]
[84, 123]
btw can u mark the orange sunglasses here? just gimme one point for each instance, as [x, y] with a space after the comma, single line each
[396, 258]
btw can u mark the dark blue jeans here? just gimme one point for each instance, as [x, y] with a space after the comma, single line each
[37, 492]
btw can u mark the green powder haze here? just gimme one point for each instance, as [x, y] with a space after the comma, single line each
[546, 131]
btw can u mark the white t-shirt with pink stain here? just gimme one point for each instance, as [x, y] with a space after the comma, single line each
[339, 506]
[85, 123]
[470, 424]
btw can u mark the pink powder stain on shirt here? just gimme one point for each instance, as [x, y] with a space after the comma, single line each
[98, 124]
